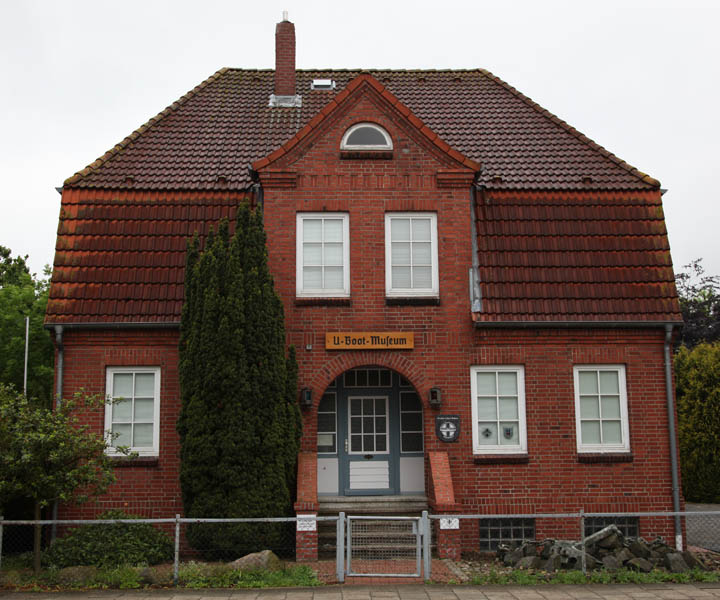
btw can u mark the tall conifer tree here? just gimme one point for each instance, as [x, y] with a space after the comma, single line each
[239, 422]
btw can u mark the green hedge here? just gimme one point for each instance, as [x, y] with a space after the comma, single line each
[110, 545]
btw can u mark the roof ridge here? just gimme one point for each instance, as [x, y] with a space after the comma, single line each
[128, 140]
[644, 177]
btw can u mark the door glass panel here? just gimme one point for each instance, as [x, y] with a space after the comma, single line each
[412, 442]
[356, 443]
[379, 406]
[368, 443]
[411, 421]
[368, 424]
[409, 402]
[368, 406]
[355, 406]
[355, 425]
[380, 441]
[380, 425]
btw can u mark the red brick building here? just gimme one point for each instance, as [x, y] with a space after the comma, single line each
[481, 297]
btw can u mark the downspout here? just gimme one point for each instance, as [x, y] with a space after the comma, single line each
[58, 401]
[475, 293]
[673, 442]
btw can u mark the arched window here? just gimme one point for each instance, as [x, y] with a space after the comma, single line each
[366, 136]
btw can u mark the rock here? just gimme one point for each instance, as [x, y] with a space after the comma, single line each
[511, 558]
[600, 536]
[553, 563]
[623, 555]
[611, 563]
[80, 575]
[266, 559]
[639, 564]
[639, 548]
[529, 562]
[546, 549]
[611, 541]
[530, 548]
[675, 562]
[693, 561]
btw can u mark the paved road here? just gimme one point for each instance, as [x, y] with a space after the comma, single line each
[707, 591]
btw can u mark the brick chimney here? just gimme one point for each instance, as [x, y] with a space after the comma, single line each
[284, 92]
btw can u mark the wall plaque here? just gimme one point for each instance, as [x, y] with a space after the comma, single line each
[447, 427]
[306, 523]
[369, 340]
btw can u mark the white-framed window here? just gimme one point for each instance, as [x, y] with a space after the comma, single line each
[132, 414]
[601, 415]
[498, 409]
[366, 136]
[411, 254]
[323, 255]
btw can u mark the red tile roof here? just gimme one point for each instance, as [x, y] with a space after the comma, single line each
[574, 256]
[208, 138]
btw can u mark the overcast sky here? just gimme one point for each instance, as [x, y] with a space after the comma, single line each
[641, 78]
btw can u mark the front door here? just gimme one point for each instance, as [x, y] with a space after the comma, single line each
[368, 461]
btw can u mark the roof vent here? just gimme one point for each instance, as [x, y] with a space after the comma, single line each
[322, 84]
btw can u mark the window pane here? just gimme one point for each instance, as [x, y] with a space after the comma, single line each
[333, 254]
[421, 253]
[412, 442]
[507, 384]
[123, 435]
[486, 409]
[355, 425]
[401, 277]
[369, 443]
[380, 443]
[122, 385]
[588, 382]
[421, 230]
[612, 434]
[379, 406]
[361, 378]
[610, 407]
[121, 410]
[485, 384]
[400, 230]
[143, 436]
[312, 278]
[356, 443]
[488, 434]
[401, 253]
[589, 407]
[368, 406]
[355, 406]
[373, 378]
[366, 136]
[509, 434]
[385, 378]
[410, 402]
[422, 278]
[333, 230]
[326, 422]
[508, 408]
[326, 442]
[609, 382]
[368, 424]
[144, 409]
[145, 385]
[411, 422]
[312, 254]
[327, 403]
[590, 432]
[312, 230]
[380, 425]
[333, 278]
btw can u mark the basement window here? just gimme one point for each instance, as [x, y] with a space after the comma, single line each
[504, 531]
[322, 84]
[366, 136]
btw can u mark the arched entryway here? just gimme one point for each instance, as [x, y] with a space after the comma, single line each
[370, 435]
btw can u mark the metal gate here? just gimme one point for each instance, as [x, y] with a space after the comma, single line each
[379, 546]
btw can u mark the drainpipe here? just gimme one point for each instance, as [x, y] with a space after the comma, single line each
[673, 441]
[475, 293]
[58, 401]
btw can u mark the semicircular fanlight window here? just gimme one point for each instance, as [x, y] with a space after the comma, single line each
[366, 136]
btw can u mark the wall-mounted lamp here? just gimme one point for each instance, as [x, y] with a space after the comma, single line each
[435, 397]
[306, 397]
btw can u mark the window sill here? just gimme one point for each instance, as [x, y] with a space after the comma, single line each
[412, 301]
[138, 461]
[323, 301]
[501, 459]
[366, 154]
[605, 457]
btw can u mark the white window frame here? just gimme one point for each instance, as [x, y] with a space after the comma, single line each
[478, 448]
[388, 140]
[141, 451]
[322, 293]
[624, 421]
[434, 289]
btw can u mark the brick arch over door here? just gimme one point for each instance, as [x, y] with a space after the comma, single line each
[391, 360]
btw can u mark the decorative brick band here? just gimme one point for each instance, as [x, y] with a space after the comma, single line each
[618, 457]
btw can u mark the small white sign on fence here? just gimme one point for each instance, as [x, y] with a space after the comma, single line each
[306, 523]
[449, 523]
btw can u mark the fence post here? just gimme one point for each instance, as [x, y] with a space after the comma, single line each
[1, 538]
[176, 565]
[582, 538]
[427, 559]
[340, 548]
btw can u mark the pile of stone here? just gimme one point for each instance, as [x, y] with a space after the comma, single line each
[608, 549]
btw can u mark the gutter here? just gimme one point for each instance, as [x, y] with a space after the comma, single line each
[674, 470]
[117, 325]
[475, 292]
[58, 400]
[574, 324]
